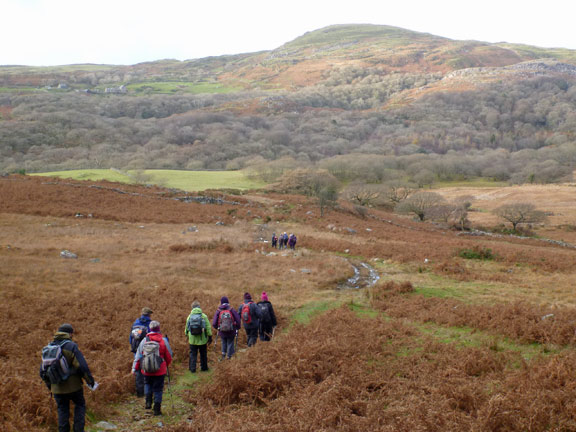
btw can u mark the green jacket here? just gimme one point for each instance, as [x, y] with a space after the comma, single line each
[201, 339]
[78, 364]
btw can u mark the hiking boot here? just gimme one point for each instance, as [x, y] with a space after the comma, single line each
[148, 401]
[157, 408]
[139, 394]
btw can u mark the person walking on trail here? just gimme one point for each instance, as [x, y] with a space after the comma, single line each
[250, 317]
[199, 335]
[274, 240]
[153, 357]
[292, 241]
[64, 377]
[227, 321]
[138, 332]
[267, 318]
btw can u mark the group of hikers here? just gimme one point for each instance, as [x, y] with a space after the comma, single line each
[63, 366]
[284, 241]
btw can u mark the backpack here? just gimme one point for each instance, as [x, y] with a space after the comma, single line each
[225, 320]
[196, 324]
[266, 316]
[151, 359]
[138, 333]
[246, 315]
[55, 368]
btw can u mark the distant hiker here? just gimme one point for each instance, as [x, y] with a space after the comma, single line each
[292, 241]
[285, 240]
[250, 317]
[267, 318]
[274, 240]
[227, 321]
[199, 335]
[137, 333]
[63, 368]
[153, 357]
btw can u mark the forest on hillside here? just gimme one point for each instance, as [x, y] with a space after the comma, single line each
[520, 131]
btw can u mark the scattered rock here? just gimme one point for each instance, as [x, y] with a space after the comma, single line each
[68, 254]
[346, 250]
[292, 271]
[220, 223]
[351, 231]
[192, 229]
[79, 215]
[103, 425]
[304, 270]
[310, 213]
[141, 226]
[272, 254]
[545, 317]
[95, 260]
[369, 229]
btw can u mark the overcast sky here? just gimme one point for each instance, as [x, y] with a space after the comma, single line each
[54, 32]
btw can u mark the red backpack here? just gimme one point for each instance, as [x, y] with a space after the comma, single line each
[225, 320]
[246, 315]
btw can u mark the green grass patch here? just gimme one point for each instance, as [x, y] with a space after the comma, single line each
[477, 252]
[178, 179]
[476, 182]
[363, 311]
[170, 87]
[304, 314]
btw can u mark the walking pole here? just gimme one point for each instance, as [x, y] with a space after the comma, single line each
[170, 390]
[216, 340]
[236, 342]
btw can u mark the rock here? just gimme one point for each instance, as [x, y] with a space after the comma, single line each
[292, 271]
[369, 229]
[141, 226]
[160, 424]
[192, 229]
[103, 425]
[545, 317]
[351, 231]
[310, 213]
[220, 223]
[79, 215]
[272, 254]
[95, 260]
[304, 270]
[346, 250]
[68, 254]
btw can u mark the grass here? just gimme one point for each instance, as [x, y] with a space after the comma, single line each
[178, 179]
[476, 182]
[304, 314]
[168, 87]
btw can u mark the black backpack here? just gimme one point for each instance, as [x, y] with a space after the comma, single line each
[196, 324]
[265, 315]
[55, 368]
[138, 333]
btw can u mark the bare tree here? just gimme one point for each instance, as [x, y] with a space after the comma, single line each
[520, 213]
[362, 194]
[422, 204]
[397, 191]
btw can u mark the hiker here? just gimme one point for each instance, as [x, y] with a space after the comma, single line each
[292, 241]
[138, 332]
[250, 317]
[152, 358]
[285, 240]
[267, 318]
[274, 240]
[227, 321]
[64, 379]
[199, 335]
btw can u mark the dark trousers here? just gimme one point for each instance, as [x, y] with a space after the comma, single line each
[154, 385]
[265, 332]
[228, 346]
[194, 355]
[252, 335]
[139, 382]
[63, 404]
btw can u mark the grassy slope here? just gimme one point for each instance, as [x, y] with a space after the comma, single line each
[185, 180]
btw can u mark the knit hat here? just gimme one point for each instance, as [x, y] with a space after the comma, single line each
[264, 296]
[224, 300]
[247, 296]
[154, 326]
[195, 304]
[146, 311]
[66, 328]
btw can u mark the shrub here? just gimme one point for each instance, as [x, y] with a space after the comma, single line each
[477, 252]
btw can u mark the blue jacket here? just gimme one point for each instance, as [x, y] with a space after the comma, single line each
[144, 320]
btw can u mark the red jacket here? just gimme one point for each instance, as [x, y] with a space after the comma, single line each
[165, 353]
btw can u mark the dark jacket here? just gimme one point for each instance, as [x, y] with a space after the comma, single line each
[236, 317]
[272, 322]
[77, 363]
[254, 313]
[144, 320]
[165, 353]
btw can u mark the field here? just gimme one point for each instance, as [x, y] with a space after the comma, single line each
[168, 87]
[184, 180]
[439, 343]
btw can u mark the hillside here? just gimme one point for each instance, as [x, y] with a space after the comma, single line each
[341, 92]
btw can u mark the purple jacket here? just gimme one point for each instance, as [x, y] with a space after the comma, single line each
[236, 317]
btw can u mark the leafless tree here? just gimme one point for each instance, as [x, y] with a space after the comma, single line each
[362, 194]
[422, 204]
[520, 213]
